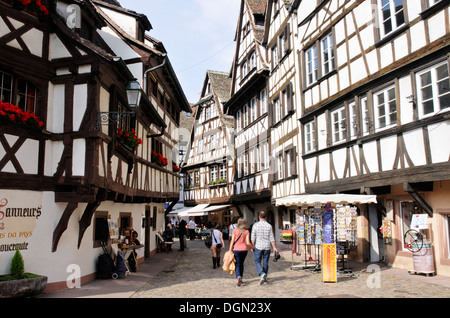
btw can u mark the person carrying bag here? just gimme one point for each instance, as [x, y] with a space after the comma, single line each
[238, 251]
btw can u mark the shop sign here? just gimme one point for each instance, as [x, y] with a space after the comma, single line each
[17, 222]
[329, 266]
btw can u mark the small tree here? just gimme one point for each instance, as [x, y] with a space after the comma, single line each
[17, 265]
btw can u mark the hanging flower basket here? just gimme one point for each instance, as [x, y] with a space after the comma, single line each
[176, 168]
[129, 138]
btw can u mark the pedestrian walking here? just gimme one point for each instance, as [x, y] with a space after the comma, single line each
[262, 239]
[192, 226]
[240, 242]
[217, 244]
[181, 232]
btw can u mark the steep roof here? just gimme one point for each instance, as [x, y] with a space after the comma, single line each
[220, 84]
[257, 6]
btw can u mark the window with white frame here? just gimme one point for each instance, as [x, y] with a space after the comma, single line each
[280, 166]
[253, 109]
[238, 121]
[365, 114]
[311, 65]
[433, 90]
[265, 155]
[339, 125]
[213, 110]
[213, 142]
[288, 159]
[327, 54]
[207, 113]
[244, 69]
[200, 146]
[275, 56]
[252, 61]
[223, 171]
[258, 158]
[354, 125]
[277, 110]
[245, 116]
[310, 136]
[263, 101]
[213, 173]
[385, 108]
[252, 160]
[239, 166]
[245, 163]
[391, 15]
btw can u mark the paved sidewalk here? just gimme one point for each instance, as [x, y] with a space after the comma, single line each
[189, 274]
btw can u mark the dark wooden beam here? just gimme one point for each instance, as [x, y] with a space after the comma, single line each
[86, 219]
[62, 224]
[418, 198]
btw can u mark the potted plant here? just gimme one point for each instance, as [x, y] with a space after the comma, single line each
[19, 283]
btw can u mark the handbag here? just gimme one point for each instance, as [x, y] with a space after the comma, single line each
[217, 245]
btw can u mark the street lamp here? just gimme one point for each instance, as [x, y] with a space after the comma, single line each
[134, 94]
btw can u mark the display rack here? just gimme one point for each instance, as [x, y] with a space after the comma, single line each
[319, 224]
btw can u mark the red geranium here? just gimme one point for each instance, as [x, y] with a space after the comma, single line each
[129, 138]
[15, 115]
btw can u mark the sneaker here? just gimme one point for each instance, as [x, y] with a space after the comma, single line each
[239, 281]
[263, 279]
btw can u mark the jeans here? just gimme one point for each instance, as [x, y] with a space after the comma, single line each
[240, 258]
[262, 255]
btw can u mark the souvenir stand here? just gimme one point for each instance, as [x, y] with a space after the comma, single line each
[323, 220]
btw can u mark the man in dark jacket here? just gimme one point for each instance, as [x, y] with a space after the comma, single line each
[181, 232]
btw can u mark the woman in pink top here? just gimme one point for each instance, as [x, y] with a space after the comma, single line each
[240, 242]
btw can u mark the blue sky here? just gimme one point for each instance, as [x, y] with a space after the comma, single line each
[197, 34]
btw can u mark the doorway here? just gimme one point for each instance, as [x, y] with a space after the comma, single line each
[376, 240]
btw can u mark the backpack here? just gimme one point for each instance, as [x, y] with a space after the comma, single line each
[208, 241]
[105, 266]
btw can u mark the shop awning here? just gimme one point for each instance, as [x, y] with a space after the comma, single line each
[194, 211]
[310, 199]
[200, 210]
[213, 208]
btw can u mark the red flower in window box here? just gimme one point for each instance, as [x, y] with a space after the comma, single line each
[14, 114]
[159, 159]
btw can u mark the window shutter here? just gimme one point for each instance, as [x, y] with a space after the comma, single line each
[287, 36]
[293, 160]
[271, 114]
[289, 98]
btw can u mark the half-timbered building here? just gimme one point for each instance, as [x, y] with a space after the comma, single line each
[63, 178]
[374, 88]
[283, 96]
[209, 163]
[250, 108]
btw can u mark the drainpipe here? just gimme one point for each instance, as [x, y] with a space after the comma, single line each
[164, 55]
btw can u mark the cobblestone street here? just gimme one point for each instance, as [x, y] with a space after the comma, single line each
[190, 275]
